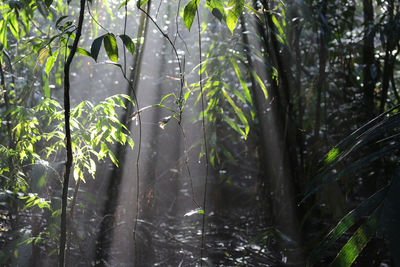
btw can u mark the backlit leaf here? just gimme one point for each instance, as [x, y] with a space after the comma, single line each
[332, 155]
[190, 12]
[128, 43]
[13, 25]
[83, 52]
[234, 10]
[195, 211]
[238, 112]
[50, 62]
[110, 44]
[123, 4]
[357, 242]
[3, 31]
[140, 3]
[260, 82]
[364, 209]
[242, 82]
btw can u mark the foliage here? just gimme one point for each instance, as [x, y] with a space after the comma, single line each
[381, 209]
[226, 12]
[303, 57]
[95, 128]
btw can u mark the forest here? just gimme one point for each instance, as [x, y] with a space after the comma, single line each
[199, 133]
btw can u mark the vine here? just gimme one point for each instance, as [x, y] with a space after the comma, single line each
[203, 235]
[68, 164]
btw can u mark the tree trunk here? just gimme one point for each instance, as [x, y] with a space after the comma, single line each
[68, 164]
[105, 234]
[389, 59]
[368, 60]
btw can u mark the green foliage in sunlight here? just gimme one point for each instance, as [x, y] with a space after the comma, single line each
[234, 11]
[356, 243]
[381, 209]
[110, 44]
[353, 217]
[331, 155]
[94, 128]
[34, 200]
[190, 12]
[229, 14]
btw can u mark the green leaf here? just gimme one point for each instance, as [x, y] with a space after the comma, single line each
[233, 125]
[190, 12]
[130, 142]
[165, 97]
[13, 25]
[128, 43]
[123, 4]
[56, 213]
[235, 9]
[332, 155]
[259, 15]
[281, 35]
[50, 62]
[76, 173]
[242, 82]
[140, 3]
[95, 48]
[260, 82]
[357, 242]
[3, 31]
[113, 158]
[363, 210]
[110, 44]
[195, 211]
[238, 112]
[83, 52]
[92, 167]
[325, 178]
[103, 150]
[217, 9]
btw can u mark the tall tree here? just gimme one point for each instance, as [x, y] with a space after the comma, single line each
[370, 69]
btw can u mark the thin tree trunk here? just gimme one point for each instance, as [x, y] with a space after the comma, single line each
[277, 137]
[322, 74]
[255, 93]
[300, 107]
[285, 121]
[389, 60]
[68, 164]
[368, 59]
[8, 106]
